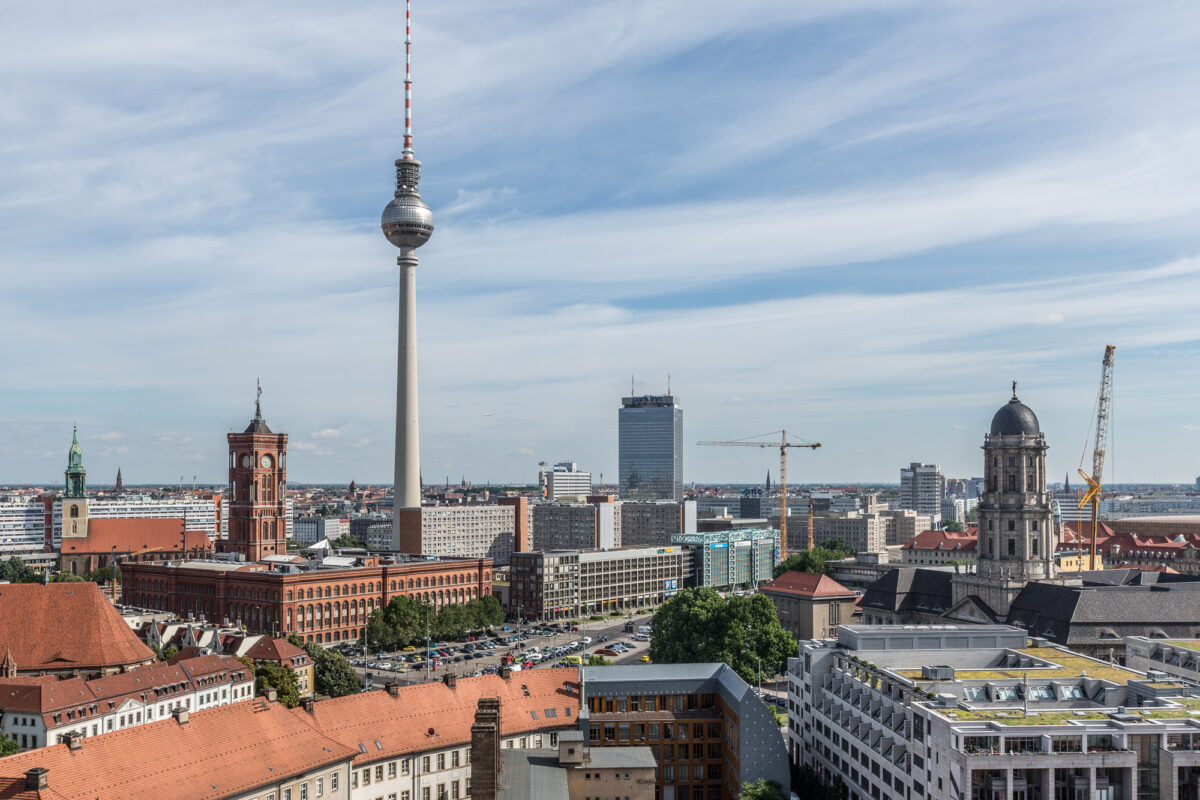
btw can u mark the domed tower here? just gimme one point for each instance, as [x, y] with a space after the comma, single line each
[407, 223]
[1017, 538]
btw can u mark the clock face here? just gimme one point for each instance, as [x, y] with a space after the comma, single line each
[266, 461]
[245, 461]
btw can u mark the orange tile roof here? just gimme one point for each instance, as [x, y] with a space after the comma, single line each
[277, 650]
[64, 626]
[402, 724]
[806, 584]
[947, 541]
[221, 752]
[164, 534]
[150, 682]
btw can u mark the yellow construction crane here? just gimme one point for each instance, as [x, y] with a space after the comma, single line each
[783, 446]
[1092, 495]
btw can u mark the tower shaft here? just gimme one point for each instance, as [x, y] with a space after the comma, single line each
[408, 450]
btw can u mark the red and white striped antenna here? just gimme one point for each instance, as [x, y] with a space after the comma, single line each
[408, 148]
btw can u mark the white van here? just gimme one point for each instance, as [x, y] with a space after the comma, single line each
[531, 649]
[586, 640]
[644, 629]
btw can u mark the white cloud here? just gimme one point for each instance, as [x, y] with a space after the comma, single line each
[326, 433]
[111, 436]
[170, 438]
[1190, 427]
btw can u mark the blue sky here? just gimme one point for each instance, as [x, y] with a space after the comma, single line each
[855, 220]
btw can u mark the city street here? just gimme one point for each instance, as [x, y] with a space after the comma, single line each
[612, 627]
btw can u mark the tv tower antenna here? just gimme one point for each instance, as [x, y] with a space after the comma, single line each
[407, 223]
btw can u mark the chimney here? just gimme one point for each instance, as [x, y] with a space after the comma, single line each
[73, 740]
[505, 672]
[449, 679]
[485, 750]
[36, 778]
[393, 689]
[307, 704]
[270, 694]
[180, 715]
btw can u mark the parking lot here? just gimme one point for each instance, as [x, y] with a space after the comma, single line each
[532, 646]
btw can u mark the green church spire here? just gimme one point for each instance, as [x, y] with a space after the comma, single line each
[76, 474]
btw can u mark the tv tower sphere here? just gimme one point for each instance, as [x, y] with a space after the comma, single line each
[407, 221]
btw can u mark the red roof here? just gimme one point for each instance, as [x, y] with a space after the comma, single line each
[806, 584]
[64, 626]
[221, 752]
[946, 541]
[163, 534]
[530, 700]
[277, 650]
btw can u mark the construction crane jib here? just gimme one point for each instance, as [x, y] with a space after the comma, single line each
[783, 444]
[1103, 407]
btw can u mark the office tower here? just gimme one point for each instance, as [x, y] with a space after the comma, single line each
[922, 488]
[258, 515]
[567, 482]
[407, 223]
[650, 444]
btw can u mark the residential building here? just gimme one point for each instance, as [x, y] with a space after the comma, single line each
[23, 527]
[810, 606]
[650, 448]
[595, 524]
[483, 531]
[310, 530]
[860, 532]
[257, 750]
[560, 584]
[901, 525]
[282, 652]
[733, 560]
[981, 711]
[416, 741]
[41, 711]
[709, 732]
[65, 629]
[725, 505]
[377, 536]
[652, 524]
[931, 548]
[323, 601]
[922, 488]
[567, 482]
[574, 772]
[954, 509]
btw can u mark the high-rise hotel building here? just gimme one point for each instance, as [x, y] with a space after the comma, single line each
[650, 452]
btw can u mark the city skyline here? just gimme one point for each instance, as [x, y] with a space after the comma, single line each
[855, 222]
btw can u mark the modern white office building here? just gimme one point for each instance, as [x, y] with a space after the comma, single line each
[567, 482]
[922, 488]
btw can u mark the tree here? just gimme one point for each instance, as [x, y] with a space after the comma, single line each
[761, 789]
[349, 541]
[698, 625]
[405, 618]
[379, 634]
[973, 515]
[168, 652]
[952, 525]
[68, 577]
[489, 611]
[14, 570]
[598, 661]
[334, 675]
[8, 745]
[453, 622]
[814, 561]
[268, 674]
[104, 575]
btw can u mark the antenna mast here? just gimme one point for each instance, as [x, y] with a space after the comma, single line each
[407, 152]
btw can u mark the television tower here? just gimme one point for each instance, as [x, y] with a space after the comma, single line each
[407, 223]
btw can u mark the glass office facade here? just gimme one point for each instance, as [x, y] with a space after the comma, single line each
[650, 445]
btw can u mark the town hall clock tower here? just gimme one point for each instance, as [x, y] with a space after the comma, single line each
[257, 490]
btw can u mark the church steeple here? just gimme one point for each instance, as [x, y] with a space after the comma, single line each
[120, 487]
[76, 475]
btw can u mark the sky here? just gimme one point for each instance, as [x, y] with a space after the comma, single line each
[852, 219]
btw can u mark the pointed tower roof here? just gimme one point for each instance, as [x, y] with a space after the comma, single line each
[120, 487]
[258, 425]
[8, 667]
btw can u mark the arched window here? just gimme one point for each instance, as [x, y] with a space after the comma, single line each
[410, 583]
[74, 513]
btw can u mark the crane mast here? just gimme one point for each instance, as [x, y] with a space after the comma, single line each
[783, 446]
[1092, 495]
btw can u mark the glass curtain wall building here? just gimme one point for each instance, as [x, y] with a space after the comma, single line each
[650, 439]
